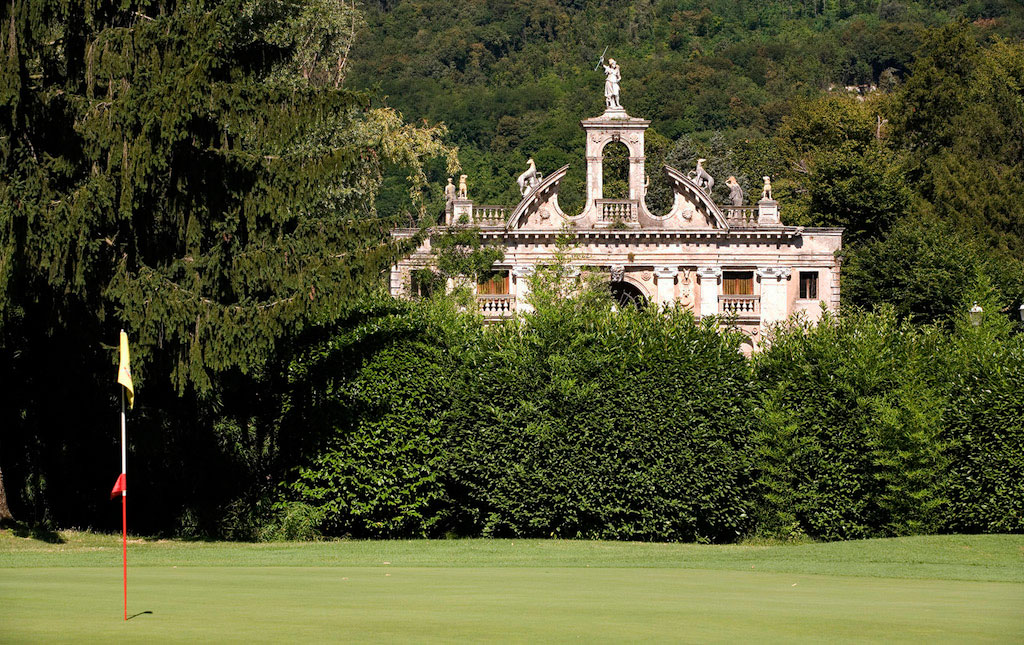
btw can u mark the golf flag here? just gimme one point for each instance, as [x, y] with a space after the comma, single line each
[119, 486]
[124, 372]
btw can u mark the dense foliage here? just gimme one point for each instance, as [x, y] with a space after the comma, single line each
[184, 171]
[587, 423]
[220, 179]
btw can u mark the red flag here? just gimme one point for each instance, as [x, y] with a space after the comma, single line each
[119, 486]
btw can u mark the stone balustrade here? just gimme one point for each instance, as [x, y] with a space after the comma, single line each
[740, 215]
[617, 210]
[496, 305]
[486, 215]
[741, 306]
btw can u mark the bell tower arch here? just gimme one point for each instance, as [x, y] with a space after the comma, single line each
[615, 126]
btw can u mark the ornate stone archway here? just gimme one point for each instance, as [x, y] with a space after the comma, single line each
[600, 132]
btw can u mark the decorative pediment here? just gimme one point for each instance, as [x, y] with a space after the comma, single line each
[542, 201]
[691, 202]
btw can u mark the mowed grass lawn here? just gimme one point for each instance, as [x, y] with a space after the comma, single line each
[920, 589]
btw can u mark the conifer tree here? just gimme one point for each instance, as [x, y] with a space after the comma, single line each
[192, 171]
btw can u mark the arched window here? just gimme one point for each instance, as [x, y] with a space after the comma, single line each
[626, 294]
[615, 171]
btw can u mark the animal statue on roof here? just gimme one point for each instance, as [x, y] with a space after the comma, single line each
[528, 179]
[701, 177]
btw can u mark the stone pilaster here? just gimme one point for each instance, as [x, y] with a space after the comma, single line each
[710, 280]
[774, 294]
[665, 277]
[521, 286]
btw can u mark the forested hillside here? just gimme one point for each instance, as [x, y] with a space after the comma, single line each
[867, 115]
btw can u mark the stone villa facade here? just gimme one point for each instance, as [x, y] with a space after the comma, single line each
[736, 261]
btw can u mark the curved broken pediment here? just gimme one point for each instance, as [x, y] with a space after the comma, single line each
[539, 207]
[691, 205]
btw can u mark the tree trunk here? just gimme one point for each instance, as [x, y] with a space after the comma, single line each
[5, 511]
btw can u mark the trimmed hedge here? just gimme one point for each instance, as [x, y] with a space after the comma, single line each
[644, 425]
[628, 426]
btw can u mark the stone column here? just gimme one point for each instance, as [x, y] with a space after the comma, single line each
[665, 277]
[709, 288]
[521, 286]
[774, 294]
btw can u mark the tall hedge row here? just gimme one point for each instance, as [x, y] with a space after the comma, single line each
[647, 425]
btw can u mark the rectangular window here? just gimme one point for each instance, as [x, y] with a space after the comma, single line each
[422, 283]
[495, 283]
[809, 285]
[738, 283]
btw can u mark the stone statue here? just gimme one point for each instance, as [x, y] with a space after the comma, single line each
[528, 179]
[701, 177]
[462, 187]
[735, 191]
[766, 192]
[449, 193]
[612, 76]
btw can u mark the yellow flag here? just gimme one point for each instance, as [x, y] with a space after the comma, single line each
[124, 372]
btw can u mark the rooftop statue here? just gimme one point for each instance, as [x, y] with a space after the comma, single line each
[612, 76]
[449, 193]
[735, 191]
[701, 177]
[528, 179]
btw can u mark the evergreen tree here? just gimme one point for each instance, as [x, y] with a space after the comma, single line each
[190, 171]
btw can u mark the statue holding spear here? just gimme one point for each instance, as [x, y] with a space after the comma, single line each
[612, 76]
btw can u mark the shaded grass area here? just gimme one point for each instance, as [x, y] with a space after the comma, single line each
[936, 588]
[996, 558]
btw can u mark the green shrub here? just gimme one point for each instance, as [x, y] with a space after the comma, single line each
[584, 423]
[983, 484]
[851, 441]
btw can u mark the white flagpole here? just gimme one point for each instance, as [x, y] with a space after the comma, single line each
[124, 512]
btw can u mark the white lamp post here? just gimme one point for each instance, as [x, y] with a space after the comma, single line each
[1020, 310]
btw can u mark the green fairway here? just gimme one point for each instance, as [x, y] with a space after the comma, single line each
[959, 588]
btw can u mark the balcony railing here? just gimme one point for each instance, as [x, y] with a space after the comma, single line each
[617, 210]
[740, 306]
[496, 305]
[485, 215]
[740, 215]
